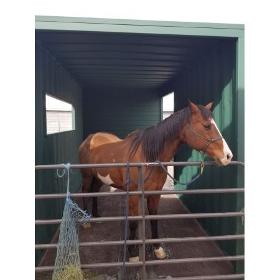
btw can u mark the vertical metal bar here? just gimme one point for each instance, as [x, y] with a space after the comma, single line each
[127, 184]
[142, 225]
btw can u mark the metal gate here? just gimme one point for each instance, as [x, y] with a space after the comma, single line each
[142, 218]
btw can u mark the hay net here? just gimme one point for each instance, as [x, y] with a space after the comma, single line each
[67, 262]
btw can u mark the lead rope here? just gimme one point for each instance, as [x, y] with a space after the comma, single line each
[202, 165]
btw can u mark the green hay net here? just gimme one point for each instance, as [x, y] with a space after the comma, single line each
[67, 262]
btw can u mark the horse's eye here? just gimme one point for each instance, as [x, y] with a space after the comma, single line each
[207, 126]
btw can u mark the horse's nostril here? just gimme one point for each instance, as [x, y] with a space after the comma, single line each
[228, 156]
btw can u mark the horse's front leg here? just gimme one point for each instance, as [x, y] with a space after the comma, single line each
[133, 211]
[153, 203]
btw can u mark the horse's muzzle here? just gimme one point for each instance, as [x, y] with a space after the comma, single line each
[225, 160]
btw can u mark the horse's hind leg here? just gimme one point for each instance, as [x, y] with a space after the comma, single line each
[86, 183]
[96, 184]
[153, 203]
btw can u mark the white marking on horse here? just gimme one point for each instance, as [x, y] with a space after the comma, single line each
[160, 253]
[226, 150]
[134, 259]
[107, 180]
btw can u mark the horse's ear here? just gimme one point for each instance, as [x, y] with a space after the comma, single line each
[193, 107]
[209, 106]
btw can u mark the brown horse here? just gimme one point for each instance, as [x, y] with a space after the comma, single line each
[193, 125]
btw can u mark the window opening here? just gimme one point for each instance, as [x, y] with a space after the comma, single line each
[167, 110]
[60, 115]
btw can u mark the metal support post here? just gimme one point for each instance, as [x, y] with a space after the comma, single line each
[141, 224]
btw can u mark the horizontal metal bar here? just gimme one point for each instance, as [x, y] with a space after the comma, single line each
[149, 241]
[163, 192]
[210, 277]
[150, 263]
[131, 164]
[150, 217]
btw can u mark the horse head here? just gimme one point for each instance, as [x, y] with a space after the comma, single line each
[201, 133]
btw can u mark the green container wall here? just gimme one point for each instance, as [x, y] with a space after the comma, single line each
[53, 79]
[120, 111]
[213, 78]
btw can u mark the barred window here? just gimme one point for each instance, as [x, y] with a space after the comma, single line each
[60, 115]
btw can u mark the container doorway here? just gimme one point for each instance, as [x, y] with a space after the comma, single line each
[167, 110]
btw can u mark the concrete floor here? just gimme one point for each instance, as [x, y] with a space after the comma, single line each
[169, 204]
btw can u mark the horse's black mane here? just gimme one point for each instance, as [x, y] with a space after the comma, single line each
[154, 138]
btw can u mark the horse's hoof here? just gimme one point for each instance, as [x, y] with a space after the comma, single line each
[160, 253]
[134, 259]
[86, 225]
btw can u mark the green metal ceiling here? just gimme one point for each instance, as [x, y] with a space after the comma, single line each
[98, 59]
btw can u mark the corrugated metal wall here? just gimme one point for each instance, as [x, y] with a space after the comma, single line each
[53, 79]
[213, 78]
[120, 110]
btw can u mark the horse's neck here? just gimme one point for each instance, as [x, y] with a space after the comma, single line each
[170, 149]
